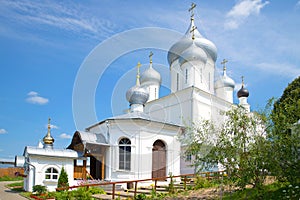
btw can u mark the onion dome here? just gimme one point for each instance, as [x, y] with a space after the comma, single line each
[243, 92]
[48, 139]
[224, 81]
[193, 53]
[137, 94]
[150, 75]
[187, 40]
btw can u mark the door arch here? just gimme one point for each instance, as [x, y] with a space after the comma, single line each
[159, 159]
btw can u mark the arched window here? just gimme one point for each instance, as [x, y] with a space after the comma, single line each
[124, 154]
[177, 82]
[186, 75]
[51, 173]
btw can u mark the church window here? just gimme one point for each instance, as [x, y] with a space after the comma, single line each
[209, 81]
[186, 75]
[177, 79]
[189, 158]
[124, 154]
[201, 75]
[155, 92]
[51, 174]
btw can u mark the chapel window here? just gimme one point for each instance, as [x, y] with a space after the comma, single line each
[51, 173]
[186, 75]
[124, 154]
[177, 82]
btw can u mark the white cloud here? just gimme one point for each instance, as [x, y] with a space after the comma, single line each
[282, 69]
[65, 136]
[34, 98]
[52, 126]
[3, 131]
[241, 11]
[64, 16]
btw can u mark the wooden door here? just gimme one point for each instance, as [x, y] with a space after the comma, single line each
[158, 159]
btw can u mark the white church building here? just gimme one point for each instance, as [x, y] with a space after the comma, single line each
[143, 143]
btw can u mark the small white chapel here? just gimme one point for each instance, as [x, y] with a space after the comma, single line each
[143, 143]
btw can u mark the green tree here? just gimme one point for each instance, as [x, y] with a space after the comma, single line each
[285, 133]
[238, 144]
[63, 180]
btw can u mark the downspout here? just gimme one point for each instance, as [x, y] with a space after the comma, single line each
[110, 149]
[28, 163]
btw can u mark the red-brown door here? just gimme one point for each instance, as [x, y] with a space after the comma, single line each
[158, 159]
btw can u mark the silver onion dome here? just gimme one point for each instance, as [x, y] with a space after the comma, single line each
[137, 95]
[224, 81]
[150, 76]
[193, 53]
[186, 41]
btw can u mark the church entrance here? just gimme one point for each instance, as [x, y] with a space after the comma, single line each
[97, 167]
[159, 159]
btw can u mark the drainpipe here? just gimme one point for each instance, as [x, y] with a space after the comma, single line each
[33, 181]
[110, 149]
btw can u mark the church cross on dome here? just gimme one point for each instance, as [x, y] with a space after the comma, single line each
[193, 31]
[150, 56]
[138, 74]
[224, 64]
[191, 9]
[242, 81]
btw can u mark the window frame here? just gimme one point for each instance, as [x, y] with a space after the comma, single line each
[124, 147]
[53, 173]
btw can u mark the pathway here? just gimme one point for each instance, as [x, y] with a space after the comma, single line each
[7, 194]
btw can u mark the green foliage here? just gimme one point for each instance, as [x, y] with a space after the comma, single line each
[285, 133]
[140, 196]
[96, 190]
[16, 184]
[39, 189]
[171, 188]
[201, 182]
[82, 193]
[286, 109]
[239, 145]
[63, 180]
[8, 178]
[272, 191]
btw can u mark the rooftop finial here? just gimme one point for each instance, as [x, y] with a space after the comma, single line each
[191, 10]
[242, 81]
[150, 56]
[193, 31]
[224, 64]
[48, 139]
[138, 74]
[49, 126]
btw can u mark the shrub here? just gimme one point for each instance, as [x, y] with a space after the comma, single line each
[39, 189]
[63, 179]
[202, 182]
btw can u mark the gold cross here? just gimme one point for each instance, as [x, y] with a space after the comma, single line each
[224, 64]
[150, 56]
[191, 9]
[138, 73]
[193, 31]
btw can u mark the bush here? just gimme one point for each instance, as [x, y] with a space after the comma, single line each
[39, 189]
[63, 179]
[202, 182]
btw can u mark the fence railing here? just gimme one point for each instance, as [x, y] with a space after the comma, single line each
[184, 177]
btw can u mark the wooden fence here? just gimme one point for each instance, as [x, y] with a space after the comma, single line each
[184, 177]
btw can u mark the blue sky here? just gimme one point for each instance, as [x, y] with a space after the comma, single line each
[44, 45]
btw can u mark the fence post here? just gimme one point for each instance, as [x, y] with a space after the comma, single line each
[135, 188]
[184, 182]
[155, 184]
[114, 190]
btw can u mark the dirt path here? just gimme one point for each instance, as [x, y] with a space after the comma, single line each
[7, 194]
